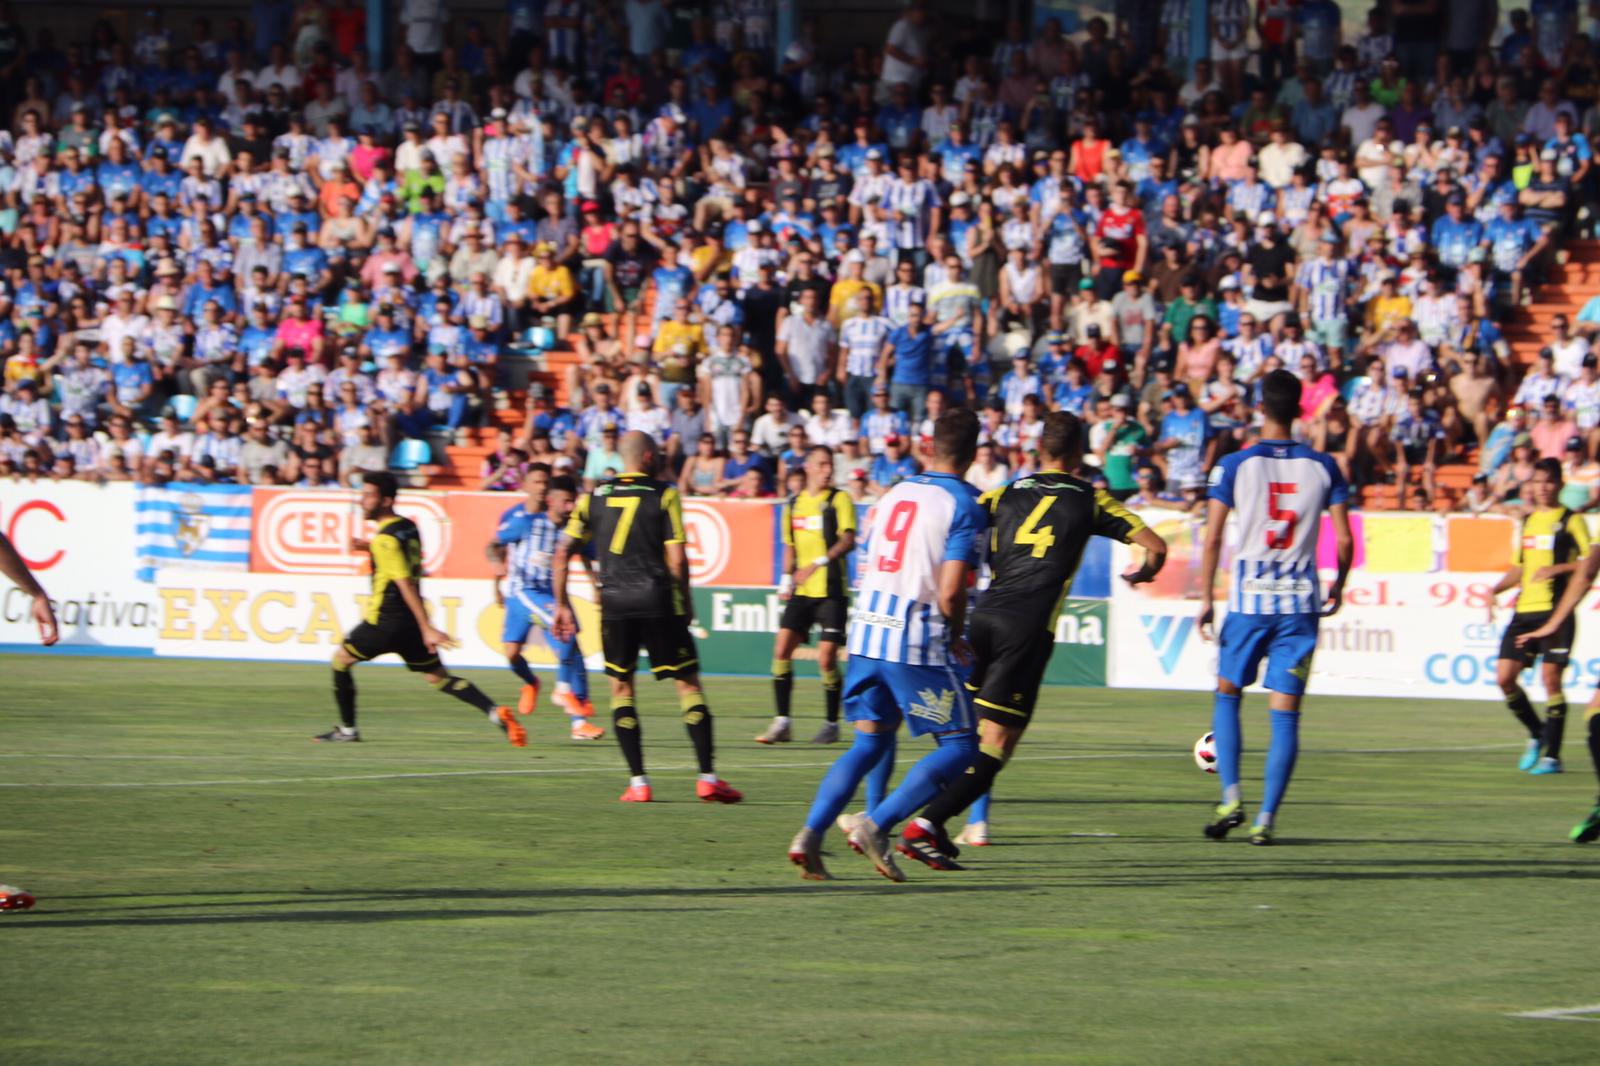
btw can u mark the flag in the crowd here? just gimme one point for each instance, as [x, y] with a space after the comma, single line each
[195, 526]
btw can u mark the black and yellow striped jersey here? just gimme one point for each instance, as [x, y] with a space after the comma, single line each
[396, 550]
[1039, 526]
[812, 524]
[1551, 537]
[631, 520]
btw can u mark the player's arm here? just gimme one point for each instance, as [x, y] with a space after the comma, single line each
[1579, 532]
[676, 550]
[1216, 523]
[1509, 580]
[1344, 547]
[1577, 588]
[389, 560]
[953, 575]
[1117, 522]
[44, 615]
[572, 538]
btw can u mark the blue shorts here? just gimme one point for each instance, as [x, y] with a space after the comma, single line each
[931, 699]
[1286, 641]
[523, 610]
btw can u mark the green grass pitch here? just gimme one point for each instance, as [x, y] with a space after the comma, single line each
[215, 888]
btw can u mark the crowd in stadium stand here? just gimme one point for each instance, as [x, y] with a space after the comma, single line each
[251, 251]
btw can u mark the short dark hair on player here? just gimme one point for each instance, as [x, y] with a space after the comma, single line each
[537, 468]
[1550, 468]
[955, 437]
[1062, 437]
[388, 488]
[1280, 397]
[823, 448]
[562, 483]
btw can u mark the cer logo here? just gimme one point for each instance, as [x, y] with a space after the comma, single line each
[1480, 632]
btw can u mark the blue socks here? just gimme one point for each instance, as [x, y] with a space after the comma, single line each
[979, 811]
[520, 667]
[1228, 742]
[878, 777]
[840, 782]
[1280, 761]
[926, 779]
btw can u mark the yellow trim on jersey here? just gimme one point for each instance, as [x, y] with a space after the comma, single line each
[672, 503]
[980, 701]
[1111, 506]
[578, 524]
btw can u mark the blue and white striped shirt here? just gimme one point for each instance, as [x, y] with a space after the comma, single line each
[1278, 491]
[530, 542]
[862, 340]
[920, 524]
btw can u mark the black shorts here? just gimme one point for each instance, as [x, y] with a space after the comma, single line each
[666, 638]
[1556, 649]
[1064, 278]
[826, 613]
[392, 637]
[1010, 654]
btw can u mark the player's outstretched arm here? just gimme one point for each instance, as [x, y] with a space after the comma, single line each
[1509, 580]
[1344, 546]
[1576, 589]
[1155, 556]
[44, 615]
[1216, 523]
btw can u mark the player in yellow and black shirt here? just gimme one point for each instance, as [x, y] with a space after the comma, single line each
[818, 527]
[1551, 547]
[636, 523]
[1039, 526]
[395, 620]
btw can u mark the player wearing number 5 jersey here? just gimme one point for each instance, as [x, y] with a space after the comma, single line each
[907, 655]
[636, 523]
[1279, 491]
[1039, 526]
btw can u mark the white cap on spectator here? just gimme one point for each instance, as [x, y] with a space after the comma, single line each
[960, 199]
[1267, 218]
[855, 256]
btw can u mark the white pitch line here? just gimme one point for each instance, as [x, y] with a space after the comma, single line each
[551, 771]
[1561, 1014]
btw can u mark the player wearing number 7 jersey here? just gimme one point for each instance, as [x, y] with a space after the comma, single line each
[908, 659]
[1280, 491]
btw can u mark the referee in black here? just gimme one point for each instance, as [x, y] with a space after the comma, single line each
[636, 523]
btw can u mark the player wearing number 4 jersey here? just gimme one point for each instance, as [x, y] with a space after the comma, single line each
[907, 656]
[1039, 526]
[636, 523]
[1279, 491]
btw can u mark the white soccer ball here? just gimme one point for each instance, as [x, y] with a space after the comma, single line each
[1205, 753]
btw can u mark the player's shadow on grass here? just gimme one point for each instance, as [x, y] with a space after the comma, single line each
[121, 916]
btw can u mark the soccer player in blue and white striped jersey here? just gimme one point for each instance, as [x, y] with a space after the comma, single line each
[525, 543]
[1280, 490]
[908, 658]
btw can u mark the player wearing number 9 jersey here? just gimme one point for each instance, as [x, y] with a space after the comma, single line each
[907, 655]
[636, 523]
[1039, 526]
[1279, 491]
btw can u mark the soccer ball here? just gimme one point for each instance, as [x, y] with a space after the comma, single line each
[1205, 754]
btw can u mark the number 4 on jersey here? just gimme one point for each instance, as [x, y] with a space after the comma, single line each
[1041, 538]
